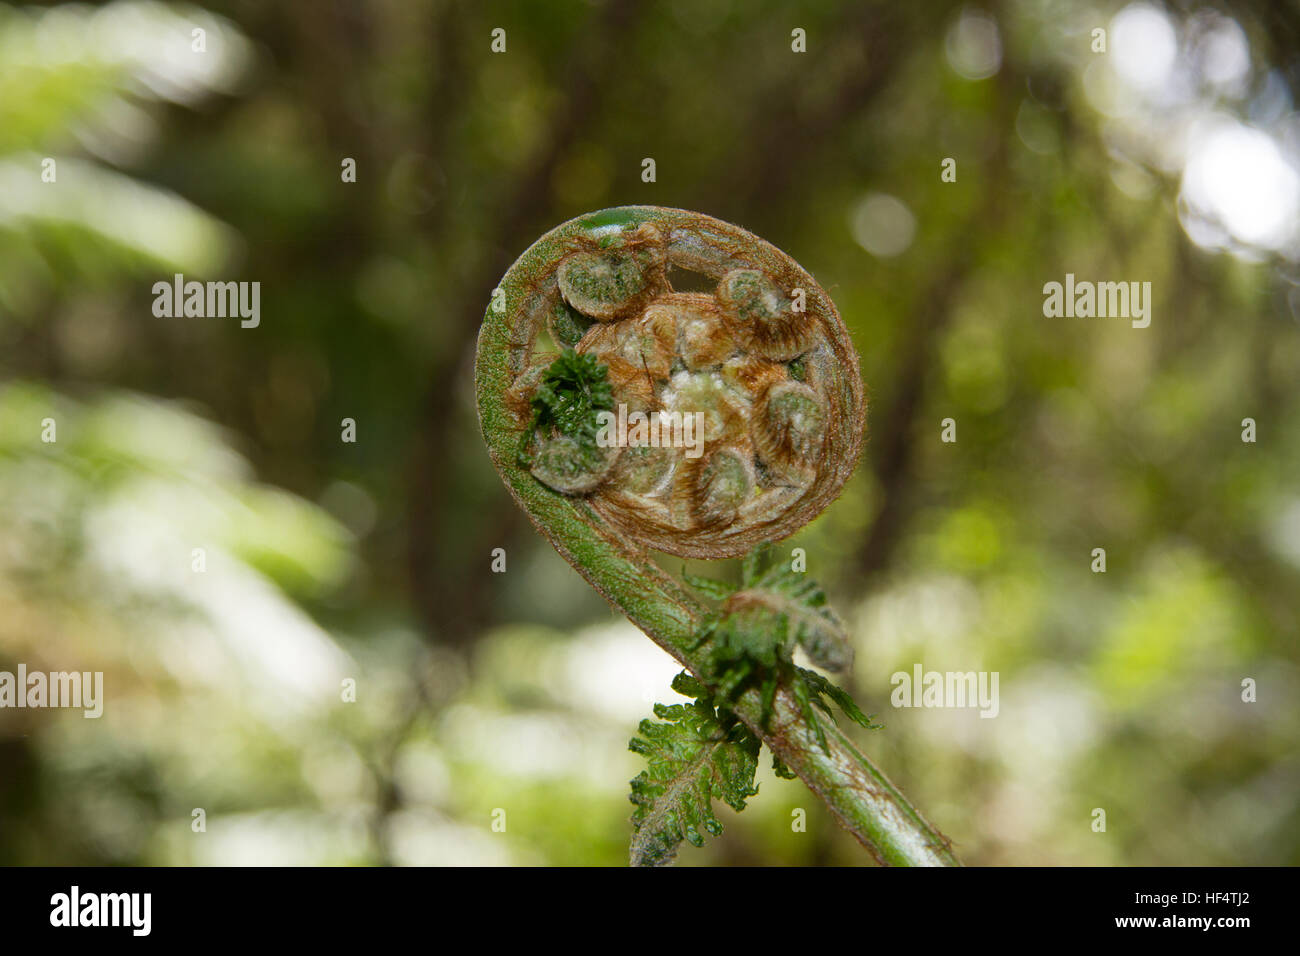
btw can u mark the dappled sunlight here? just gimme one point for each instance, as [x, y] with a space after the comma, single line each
[1184, 103]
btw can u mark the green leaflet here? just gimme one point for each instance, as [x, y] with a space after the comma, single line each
[820, 686]
[573, 390]
[775, 608]
[752, 640]
[697, 754]
[811, 622]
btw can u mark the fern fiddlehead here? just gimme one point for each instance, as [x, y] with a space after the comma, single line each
[586, 333]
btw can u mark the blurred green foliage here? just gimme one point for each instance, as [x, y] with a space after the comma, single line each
[328, 561]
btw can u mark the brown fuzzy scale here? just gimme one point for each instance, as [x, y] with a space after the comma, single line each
[702, 338]
[753, 374]
[519, 396]
[782, 338]
[655, 338]
[708, 491]
[762, 318]
[633, 385]
[647, 342]
[789, 443]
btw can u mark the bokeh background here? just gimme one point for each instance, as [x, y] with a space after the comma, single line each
[1173, 157]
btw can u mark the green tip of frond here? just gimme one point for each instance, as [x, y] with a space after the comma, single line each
[819, 686]
[574, 389]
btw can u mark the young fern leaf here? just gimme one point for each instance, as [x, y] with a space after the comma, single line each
[806, 702]
[819, 686]
[813, 625]
[572, 391]
[767, 361]
[752, 641]
[697, 753]
[777, 609]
